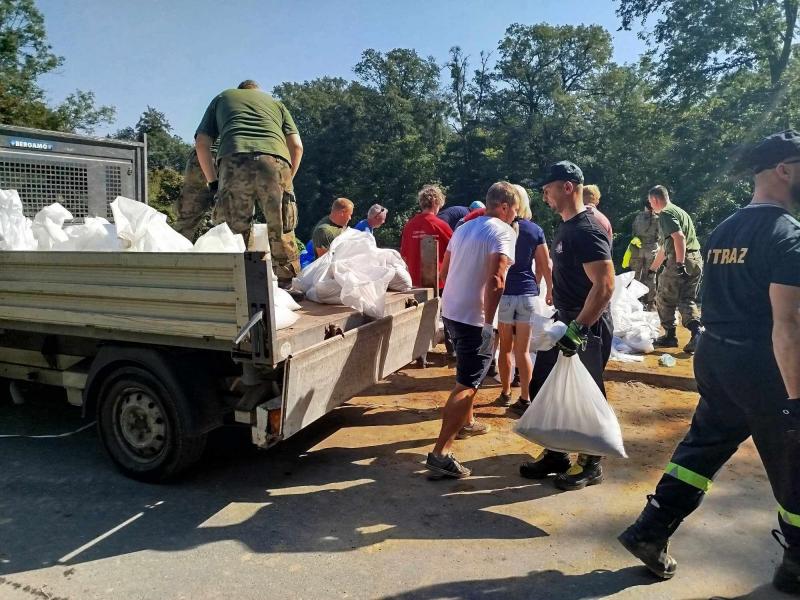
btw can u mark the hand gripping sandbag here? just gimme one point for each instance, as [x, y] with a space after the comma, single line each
[570, 414]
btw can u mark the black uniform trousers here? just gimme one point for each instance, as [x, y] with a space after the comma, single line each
[594, 357]
[741, 394]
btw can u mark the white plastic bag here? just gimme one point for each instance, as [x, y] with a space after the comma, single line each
[545, 332]
[363, 289]
[570, 414]
[144, 229]
[96, 234]
[15, 227]
[283, 298]
[284, 317]
[220, 239]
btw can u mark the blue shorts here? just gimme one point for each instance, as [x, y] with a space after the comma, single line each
[516, 309]
[471, 367]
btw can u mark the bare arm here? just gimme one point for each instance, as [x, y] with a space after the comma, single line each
[541, 259]
[601, 274]
[295, 145]
[445, 266]
[658, 260]
[202, 144]
[785, 300]
[495, 285]
[680, 246]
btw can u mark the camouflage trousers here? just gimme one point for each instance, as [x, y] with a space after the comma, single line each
[679, 292]
[245, 179]
[641, 269]
[195, 200]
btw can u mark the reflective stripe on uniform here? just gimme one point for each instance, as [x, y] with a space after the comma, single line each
[690, 477]
[790, 518]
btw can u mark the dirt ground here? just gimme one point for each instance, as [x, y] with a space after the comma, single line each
[345, 510]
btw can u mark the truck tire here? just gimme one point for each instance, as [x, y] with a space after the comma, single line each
[143, 427]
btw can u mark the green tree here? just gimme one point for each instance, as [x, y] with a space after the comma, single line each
[25, 55]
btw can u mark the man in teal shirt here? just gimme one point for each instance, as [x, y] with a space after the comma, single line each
[259, 154]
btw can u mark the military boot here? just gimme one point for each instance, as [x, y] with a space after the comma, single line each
[668, 340]
[648, 539]
[586, 471]
[546, 464]
[787, 575]
[697, 330]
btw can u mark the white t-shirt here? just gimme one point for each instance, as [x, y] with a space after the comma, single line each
[470, 248]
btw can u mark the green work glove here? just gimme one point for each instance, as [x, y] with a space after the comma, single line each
[574, 339]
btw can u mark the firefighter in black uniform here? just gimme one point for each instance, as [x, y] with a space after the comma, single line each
[747, 367]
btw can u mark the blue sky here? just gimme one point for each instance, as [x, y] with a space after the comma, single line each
[176, 55]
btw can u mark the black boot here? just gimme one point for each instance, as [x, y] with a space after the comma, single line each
[697, 330]
[648, 539]
[546, 464]
[586, 471]
[787, 575]
[668, 340]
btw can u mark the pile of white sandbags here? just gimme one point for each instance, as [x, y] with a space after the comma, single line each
[356, 273]
[634, 328]
[16, 231]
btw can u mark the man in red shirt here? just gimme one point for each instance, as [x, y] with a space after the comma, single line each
[424, 223]
[591, 198]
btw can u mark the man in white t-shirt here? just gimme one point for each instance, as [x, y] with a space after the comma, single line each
[474, 269]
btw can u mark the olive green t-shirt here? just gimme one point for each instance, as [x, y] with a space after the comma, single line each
[325, 232]
[671, 219]
[248, 121]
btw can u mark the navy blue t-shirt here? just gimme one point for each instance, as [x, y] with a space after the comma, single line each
[521, 280]
[452, 214]
[756, 246]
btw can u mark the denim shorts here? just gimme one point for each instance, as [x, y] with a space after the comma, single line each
[515, 309]
[471, 367]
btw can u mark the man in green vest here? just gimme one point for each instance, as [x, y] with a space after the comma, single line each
[645, 229]
[259, 155]
[680, 281]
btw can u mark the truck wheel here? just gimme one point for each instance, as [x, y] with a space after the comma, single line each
[143, 428]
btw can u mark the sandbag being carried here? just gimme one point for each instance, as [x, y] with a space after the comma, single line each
[570, 414]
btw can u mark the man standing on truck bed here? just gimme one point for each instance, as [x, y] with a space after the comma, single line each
[259, 155]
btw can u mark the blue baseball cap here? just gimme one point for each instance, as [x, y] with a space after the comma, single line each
[477, 204]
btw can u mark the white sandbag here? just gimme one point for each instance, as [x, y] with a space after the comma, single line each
[220, 239]
[545, 332]
[401, 281]
[570, 414]
[48, 226]
[283, 298]
[284, 317]
[363, 287]
[96, 234]
[15, 228]
[316, 272]
[144, 229]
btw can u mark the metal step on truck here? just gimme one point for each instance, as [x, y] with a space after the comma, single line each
[162, 348]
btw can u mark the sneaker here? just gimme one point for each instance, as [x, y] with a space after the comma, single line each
[473, 429]
[446, 466]
[653, 553]
[520, 406]
[587, 471]
[515, 381]
[492, 372]
[503, 399]
[546, 464]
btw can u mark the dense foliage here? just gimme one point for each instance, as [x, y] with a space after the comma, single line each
[717, 74]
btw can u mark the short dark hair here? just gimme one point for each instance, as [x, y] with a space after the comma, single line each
[248, 84]
[660, 192]
[501, 192]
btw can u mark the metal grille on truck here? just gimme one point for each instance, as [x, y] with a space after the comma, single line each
[41, 184]
[113, 185]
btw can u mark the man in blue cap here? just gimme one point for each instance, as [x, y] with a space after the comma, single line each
[746, 366]
[583, 282]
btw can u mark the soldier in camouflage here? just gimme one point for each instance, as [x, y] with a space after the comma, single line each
[259, 155]
[679, 282]
[645, 229]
